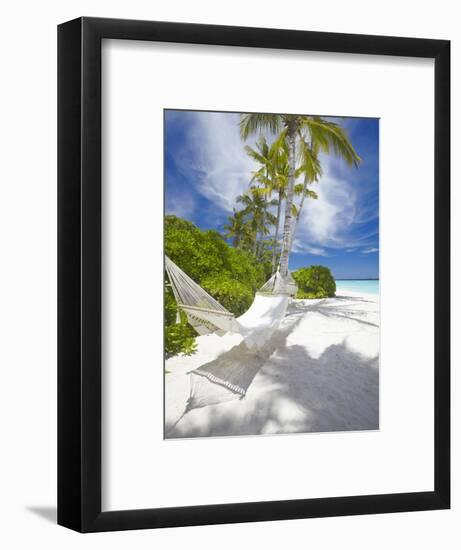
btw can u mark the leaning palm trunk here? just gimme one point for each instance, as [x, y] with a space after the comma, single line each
[276, 238]
[287, 226]
[261, 233]
[260, 246]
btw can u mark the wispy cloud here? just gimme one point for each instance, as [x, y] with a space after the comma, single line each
[325, 221]
[302, 248]
[180, 204]
[212, 157]
[215, 155]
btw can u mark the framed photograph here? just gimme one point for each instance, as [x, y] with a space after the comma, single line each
[254, 274]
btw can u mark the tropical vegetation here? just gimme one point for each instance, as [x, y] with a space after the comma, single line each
[294, 153]
[233, 265]
[230, 274]
[315, 281]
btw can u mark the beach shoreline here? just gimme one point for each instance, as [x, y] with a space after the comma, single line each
[320, 373]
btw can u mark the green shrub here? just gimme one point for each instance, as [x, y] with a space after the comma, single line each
[180, 338]
[232, 294]
[315, 281]
[230, 275]
[171, 309]
[202, 254]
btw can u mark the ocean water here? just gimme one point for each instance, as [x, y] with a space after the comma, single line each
[363, 286]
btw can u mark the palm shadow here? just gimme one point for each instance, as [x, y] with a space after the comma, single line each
[229, 376]
[338, 391]
[305, 385]
[342, 307]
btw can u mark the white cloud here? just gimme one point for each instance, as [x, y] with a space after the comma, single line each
[303, 248]
[326, 221]
[370, 250]
[216, 154]
[181, 205]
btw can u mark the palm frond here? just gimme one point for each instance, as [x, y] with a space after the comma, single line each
[298, 188]
[255, 155]
[311, 194]
[252, 123]
[326, 135]
[310, 163]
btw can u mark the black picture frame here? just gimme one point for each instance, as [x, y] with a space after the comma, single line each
[79, 274]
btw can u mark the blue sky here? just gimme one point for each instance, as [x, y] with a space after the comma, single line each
[206, 168]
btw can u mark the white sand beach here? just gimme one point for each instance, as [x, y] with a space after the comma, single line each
[319, 373]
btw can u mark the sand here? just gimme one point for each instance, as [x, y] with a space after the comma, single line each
[319, 373]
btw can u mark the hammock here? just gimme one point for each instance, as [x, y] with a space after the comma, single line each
[203, 312]
[229, 376]
[207, 315]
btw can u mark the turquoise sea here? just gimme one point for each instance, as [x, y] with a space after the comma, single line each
[366, 286]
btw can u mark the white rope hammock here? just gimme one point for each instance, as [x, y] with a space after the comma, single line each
[203, 312]
[207, 315]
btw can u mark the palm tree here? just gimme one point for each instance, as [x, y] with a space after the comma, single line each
[311, 169]
[263, 155]
[236, 227]
[264, 218]
[255, 207]
[272, 176]
[318, 134]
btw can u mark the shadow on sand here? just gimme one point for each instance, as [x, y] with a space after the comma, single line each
[235, 369]
[337, 391]
[344, 307]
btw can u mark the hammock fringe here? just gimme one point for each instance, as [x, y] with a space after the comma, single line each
[212, 378]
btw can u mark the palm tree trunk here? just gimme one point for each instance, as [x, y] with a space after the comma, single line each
[287, 226]
[276, 237]
[261, 232]
[263, 219]
[260, 246]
